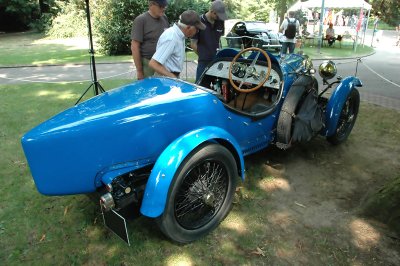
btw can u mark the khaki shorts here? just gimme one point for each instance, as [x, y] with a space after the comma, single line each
[147, 70]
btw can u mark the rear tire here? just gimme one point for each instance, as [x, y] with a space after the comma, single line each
[347, 119]
[200, 195]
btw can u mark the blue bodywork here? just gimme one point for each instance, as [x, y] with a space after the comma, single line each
[153, 122]
[336, 103]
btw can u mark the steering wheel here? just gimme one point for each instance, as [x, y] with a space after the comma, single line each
[245, 71]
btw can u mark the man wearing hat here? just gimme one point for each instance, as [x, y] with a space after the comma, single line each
[205, 43]
[146, 30]
[170, 53]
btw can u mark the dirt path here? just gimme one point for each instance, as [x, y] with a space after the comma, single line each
[315, 196]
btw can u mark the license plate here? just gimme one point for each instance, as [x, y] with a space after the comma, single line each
[116, 223]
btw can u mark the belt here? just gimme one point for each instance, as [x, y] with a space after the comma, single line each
[176, 74]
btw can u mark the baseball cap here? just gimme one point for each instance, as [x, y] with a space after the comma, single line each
[191, 18]
[161, 3]
[219, 7]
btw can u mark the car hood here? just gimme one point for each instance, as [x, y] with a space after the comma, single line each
[128, 125]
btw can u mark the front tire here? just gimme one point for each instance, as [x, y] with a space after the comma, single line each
[200, 195]
[347, 118]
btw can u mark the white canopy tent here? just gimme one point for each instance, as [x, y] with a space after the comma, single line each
[332, 4]
[322, 4]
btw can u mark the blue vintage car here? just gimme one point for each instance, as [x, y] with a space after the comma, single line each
[176, 149]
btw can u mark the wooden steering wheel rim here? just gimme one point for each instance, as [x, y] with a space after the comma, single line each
[234, 61]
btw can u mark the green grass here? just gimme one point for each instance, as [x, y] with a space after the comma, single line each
[68, 230]
[345, 51]
[31, 48]
[34, 49]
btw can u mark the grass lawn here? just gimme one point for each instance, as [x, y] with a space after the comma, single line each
[344, 51]
[29, 48]
[34, 49]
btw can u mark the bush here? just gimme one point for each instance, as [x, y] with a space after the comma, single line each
[113, 21]
[16, 14]
[70, 21]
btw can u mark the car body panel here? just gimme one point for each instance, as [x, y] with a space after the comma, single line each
[157, 187]
[336, 102]
[127, 126]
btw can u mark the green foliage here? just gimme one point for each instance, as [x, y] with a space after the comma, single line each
[42, 24]
[175, 8]
[22, 12]
[70, 20]
[113, 21]
[251, 10]
[388, 10]
[384, 204]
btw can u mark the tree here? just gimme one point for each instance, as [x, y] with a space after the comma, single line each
[17, 14]
[388, 10]
[113, 20]
[68, 20]
[282, 6]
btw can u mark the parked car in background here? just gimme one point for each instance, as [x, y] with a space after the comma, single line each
[253, 34]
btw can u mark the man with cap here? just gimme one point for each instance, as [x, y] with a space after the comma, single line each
[170, 52]
[205, 43]
[146, 30]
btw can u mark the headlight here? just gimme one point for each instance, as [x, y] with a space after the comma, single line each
[327, 69]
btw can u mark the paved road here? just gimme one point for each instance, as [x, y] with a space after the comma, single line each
[379, 72]
[76, 73]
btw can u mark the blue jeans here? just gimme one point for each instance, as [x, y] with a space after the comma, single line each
[285, 46]
[201, 66]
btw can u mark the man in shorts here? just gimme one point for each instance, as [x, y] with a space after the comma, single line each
[146, 30]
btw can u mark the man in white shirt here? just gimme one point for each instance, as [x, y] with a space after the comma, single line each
[289, 27]
[170, 52]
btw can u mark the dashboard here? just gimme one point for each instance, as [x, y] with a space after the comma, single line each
[220, 69]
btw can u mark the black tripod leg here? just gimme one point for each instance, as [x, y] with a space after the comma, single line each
[80, 98]
[96, 85]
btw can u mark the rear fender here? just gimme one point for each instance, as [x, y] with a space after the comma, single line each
[336, 102]
[157, 187]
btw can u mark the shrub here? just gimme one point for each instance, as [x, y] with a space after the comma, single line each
[113, 22]
[70, 21]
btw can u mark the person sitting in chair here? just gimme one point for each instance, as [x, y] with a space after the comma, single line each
[330, 35]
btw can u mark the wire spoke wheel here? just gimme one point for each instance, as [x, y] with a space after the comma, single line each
[347, 118]
[201, 195]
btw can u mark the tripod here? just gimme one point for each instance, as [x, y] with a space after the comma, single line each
[97, 88]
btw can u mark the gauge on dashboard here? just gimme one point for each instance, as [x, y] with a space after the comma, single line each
[262, 74]
[220, 66]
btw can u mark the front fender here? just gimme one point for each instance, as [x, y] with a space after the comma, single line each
[336, 102]
[157, 187]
